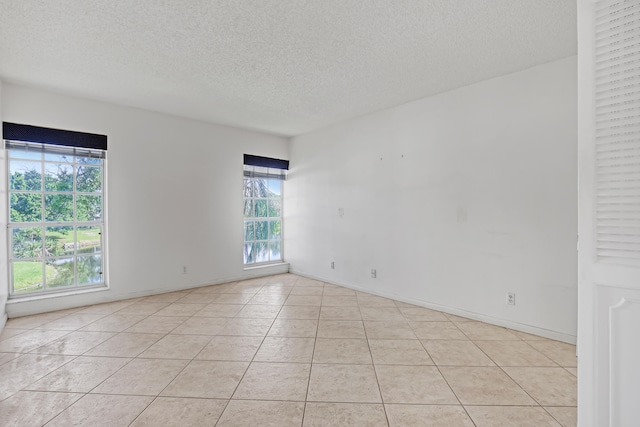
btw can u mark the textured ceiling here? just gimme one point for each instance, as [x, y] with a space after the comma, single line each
[280, 66]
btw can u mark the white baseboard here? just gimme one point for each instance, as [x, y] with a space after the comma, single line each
[55, 302]
[546, 333]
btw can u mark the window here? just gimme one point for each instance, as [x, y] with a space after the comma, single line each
[262, 191]
[56, 210]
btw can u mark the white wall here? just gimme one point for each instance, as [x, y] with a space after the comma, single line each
[4, 289]
[174, 193]
[455, 199]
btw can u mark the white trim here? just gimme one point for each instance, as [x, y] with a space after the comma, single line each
[546, 333]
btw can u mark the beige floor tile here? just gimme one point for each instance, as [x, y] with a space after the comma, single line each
[80, 375]
[114, 323]
[197, 298]
[423, 315]
[207, 379]
[125, 345]
[344, 415]
[527, 337]
[561, 353]
[507, 416]
[30, 322]
[231, 348]
[343, 383]
[305, 281]
[157, 324]
[367, 300]
[284, 279]
[340, 313]
[8, 333]
[179, 412]
[307, 290]
[34, 408]
[212, 289]
[24, 370]
[293, 350]
[341, 329]
[399, 352]
[340, 300]
[485, 386]
[484, 331]
[456, 353]
[304, 300]
[456, 319]
[259, 311]
[29, 341]
[299, 312]
[241, 413]
[75, 343]
[427, 415]
[7, 357]
[401, 304]
[106, 308]
[220, 310]
[268, 299]
[275, 290]
[97, 410]
[549, 386]
[338, 290]
[388, 330]
[233, 299]
[201, 326]
[70, 322]
[274, 381]
[572, 371]
[142, 377]
[169, 297]
[177, 309]
[514, 353]
[177, 347]
[342, 350]
[566, 416]
[413, 384]
[294, 328]
[246, 327]
[437, 331]
[382, 313]
[147, 308]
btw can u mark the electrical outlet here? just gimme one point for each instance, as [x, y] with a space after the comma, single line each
[373, 273]
[333, 265]
[184, 269]
[511, 298]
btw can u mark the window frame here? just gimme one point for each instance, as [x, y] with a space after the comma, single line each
[268, 219]
[43, 225]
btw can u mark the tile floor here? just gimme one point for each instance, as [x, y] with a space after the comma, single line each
[278, 351]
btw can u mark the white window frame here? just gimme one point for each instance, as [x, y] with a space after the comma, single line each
[268, 219]
[43, 224]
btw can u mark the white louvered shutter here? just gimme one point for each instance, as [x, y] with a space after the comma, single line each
[617, 136]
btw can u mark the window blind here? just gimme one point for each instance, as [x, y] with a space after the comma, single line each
[265, 167]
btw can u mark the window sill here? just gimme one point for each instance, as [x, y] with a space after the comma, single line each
[27, 298]
[263, 266]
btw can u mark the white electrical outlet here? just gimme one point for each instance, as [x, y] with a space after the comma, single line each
[373, 273]
[333, 265]
[184, 269]
[511, 298]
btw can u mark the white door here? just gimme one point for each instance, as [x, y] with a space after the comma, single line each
[609, 213]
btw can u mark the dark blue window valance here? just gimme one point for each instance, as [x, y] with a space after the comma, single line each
[41, 135]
